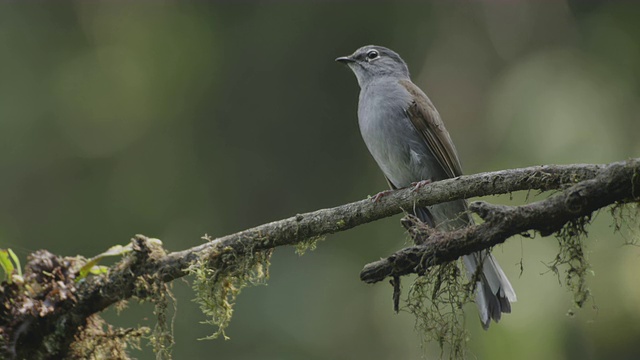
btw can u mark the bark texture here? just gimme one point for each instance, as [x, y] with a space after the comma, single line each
[41, 320]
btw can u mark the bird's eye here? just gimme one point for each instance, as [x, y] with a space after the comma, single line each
[372, 54]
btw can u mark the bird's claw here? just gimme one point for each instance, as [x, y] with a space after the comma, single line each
[380, 195]
[417, 185]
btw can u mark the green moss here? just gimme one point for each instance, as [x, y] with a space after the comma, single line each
[153, 289]
[436, 299]
[572, 260]
[99, 340]
[626, 221]
[217, 285]
[307, 245]
[161, 338]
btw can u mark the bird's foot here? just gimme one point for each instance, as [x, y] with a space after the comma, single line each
[380, 195]
[419, 184]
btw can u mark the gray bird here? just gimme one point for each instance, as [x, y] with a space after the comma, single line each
[406, 137]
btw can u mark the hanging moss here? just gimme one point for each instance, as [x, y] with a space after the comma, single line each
[437, 299]
[162, 338]
[99, 340]
[572, 260]
[626, 221]
[308, 245]
[218, 285]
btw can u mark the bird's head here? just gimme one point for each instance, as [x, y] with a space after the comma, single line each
[371, 61]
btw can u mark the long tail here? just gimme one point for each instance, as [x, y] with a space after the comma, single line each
[494, 293]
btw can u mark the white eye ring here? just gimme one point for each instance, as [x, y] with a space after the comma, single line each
[372, 55]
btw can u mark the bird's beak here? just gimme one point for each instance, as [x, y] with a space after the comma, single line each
[345, 59]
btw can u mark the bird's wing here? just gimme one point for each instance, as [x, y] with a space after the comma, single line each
[425, 118]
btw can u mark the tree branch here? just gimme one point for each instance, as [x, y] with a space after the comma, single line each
[619, 182]
[610, 183]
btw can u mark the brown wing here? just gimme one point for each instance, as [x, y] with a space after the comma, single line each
[426, 120]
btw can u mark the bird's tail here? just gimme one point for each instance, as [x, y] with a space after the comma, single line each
[494, 293]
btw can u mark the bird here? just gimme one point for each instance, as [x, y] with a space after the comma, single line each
[406, 137]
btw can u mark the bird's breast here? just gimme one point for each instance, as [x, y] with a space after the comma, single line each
[397, 147]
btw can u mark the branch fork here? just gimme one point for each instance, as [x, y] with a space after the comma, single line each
[584, 189]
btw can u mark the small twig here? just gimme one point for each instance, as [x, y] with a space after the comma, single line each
[395, 282]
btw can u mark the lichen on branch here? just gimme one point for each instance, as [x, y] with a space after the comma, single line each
[616, 183]
[223, 265]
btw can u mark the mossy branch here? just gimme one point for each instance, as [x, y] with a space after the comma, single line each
[29, 330]
[615, 183]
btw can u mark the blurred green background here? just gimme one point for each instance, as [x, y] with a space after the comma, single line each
[176, 120]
